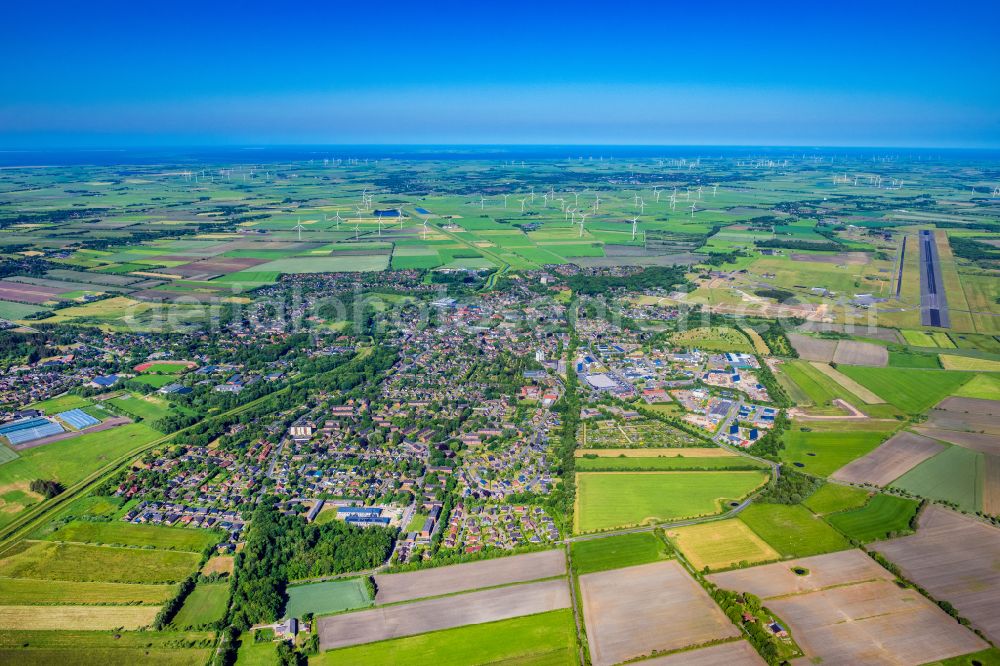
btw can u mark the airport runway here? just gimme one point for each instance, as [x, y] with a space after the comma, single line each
[933, 302]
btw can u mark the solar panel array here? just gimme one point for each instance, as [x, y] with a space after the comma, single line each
[78, 418]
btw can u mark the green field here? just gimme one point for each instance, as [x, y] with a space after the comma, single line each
[721, 544]
[67, 461]
[332, 264]
[204, 606]
[615, 552]
[156, 381]
[165, 368]
[664, 463]
[12, 310]
[62, 403]
[103, 648]
[985, 387]
[988, 657]
[545, 639]
[257, 654]
[6, 454]
[327, 597]
[618, 499]
[883, 515]
[954, 475]
[126, 534]
[714, 338]
[65, 561]
[148, 408]
[792, 530]
[833, 497]
[822, 453]
[30, 591]
[913, 360]
[820, 389]
[911, 390]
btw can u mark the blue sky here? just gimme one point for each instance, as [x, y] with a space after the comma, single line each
[885, 73]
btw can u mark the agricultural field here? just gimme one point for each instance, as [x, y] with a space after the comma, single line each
[911, 390]
[327, 597]
[984, 387]
[76, 617]
[607, 500]
[665, 610]
[126, 534]
[823, 453]
[953, 557]
[66, 461]
[844, 608]
[393, 588]
[72, 562]
[720, 545]
[666, 463]
[954, 475]
[544, 638]
[884, 515]
[31, 591]
[206, 605]
[615, 552]
[832, 497]
[792, 530]
[898, 455]
[421, 617]
[100, 648]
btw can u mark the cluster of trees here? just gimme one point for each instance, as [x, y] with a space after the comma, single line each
[790, 488]
[568, 408]
[770, 444]
[280, 547]
[652, 277]
[45, 488]
[793, 244]
[973, 250]
[770, 382]
[734, 605]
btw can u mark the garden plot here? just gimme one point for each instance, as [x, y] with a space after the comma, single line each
[631, 612]
[644, 433]
[845, 609]
[470, 576]
[897, 456]
[420, 617]
[734, 653]
[955, 558]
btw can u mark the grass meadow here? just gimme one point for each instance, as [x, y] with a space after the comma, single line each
[615, 552]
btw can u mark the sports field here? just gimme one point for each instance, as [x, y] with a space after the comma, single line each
[543, 639]
[330, 596]
[792, 530]
[822, 453]
[62, 403]
[882, 516]
[721, 544]
[606, 500]
[126, 534]
[615, 552]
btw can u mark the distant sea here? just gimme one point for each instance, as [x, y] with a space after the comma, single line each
[277, 154]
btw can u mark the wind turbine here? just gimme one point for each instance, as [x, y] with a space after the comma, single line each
[635, 225]
[642, 206]
[505, 200]
[380, 225]
[298, 227]
[692, 206]
[523, 201]
[656, 191]
[583, 216]
[482, 202]
[357, 227]
[339, 219]
[425, 229]
[399, 214]
[715, 190]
